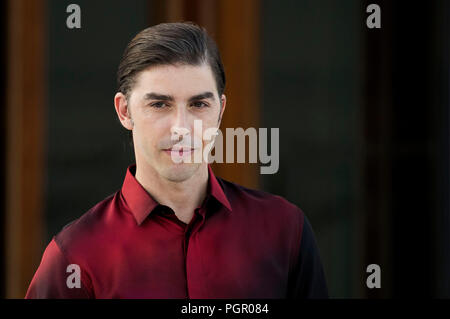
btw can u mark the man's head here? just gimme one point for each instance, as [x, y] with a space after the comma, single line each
[170, 75]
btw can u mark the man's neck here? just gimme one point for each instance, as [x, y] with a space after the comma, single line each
[183, 197]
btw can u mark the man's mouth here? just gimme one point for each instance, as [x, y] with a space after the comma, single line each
[179, 151]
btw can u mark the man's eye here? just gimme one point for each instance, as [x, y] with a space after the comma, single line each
[158, 104]
[199, 104]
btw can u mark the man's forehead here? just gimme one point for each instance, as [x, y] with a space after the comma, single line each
[187, 72]
[177, 81]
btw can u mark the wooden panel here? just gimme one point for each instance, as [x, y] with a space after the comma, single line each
[238, 40]
[25, 110]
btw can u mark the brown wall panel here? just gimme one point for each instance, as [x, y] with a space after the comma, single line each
[25, 108]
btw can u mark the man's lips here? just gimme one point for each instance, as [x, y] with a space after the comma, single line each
[179, 150]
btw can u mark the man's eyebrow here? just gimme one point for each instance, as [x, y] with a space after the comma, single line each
[156, 96]
[205, 95]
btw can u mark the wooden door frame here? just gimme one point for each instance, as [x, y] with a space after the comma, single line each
[25, 142]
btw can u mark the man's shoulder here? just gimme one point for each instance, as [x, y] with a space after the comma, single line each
[87, 228]
[259, 201]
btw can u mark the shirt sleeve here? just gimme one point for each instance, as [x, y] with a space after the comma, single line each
[308, 280]
[54, 276]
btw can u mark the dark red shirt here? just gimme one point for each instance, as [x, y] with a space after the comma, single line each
[240, 243]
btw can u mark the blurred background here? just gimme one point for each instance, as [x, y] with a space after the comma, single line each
[363, 117]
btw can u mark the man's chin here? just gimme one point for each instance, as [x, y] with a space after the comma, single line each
[179, 172]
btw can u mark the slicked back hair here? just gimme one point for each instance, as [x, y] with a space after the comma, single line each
[169, 44]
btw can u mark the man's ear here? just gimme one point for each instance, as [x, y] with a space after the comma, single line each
[122, 110]
[223, 102]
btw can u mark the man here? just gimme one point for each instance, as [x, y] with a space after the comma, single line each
[175, 230]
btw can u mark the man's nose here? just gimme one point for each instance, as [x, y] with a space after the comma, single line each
[179, 129]
[179, 133]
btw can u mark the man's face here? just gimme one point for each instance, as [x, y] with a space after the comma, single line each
[164, 103]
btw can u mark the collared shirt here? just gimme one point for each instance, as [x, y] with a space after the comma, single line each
[240, 243]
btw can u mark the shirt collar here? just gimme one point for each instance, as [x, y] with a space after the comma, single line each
[141, 203]
[216, 190]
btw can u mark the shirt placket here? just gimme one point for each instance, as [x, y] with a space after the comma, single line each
[190, 231]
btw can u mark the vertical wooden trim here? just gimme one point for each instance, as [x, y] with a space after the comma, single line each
[3, 64]
[25, 110]
[238, 38]
[175, 10]
[162, 11]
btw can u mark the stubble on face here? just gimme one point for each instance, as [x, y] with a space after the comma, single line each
[152, 130]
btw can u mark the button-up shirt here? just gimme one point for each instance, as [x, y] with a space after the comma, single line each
[240, 243]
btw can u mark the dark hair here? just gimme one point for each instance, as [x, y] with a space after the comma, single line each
[169, 43]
